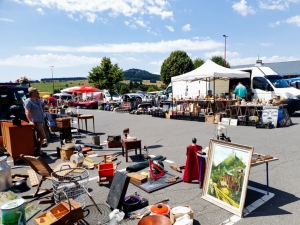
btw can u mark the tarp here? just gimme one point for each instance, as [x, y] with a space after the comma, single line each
[210, 70]
[85, 89]
[70, 89]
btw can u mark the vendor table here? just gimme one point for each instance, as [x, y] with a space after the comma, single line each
[242, 110]
[267, 167]
[131, 144]
[85, 117]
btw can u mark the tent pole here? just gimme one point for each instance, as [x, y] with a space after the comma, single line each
[215, 93]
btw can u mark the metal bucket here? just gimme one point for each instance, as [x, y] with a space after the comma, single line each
[5, 174]
[13, 212]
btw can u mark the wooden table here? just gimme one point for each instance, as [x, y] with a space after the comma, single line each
[85, 117]
[131, 144]
[255, 155]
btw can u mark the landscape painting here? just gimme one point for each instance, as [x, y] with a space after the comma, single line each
[227, 173]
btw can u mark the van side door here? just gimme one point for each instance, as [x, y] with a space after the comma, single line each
[261, 88]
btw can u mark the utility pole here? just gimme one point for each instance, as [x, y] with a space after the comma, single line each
[225, 50]
[52, 79]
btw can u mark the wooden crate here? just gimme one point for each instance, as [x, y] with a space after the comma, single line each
[63, 122]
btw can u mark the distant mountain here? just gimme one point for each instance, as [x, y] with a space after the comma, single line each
[139, 75]
[232, 161]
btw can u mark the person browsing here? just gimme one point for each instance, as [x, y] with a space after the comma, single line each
[240, 90]
[35, 116]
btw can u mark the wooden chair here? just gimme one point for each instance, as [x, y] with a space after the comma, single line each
[39, 165]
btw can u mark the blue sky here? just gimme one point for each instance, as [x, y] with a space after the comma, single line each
[73, 35]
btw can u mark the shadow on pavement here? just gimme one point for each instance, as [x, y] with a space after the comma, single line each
[275, 204]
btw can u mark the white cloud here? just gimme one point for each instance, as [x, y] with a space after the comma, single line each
[40, 11]
[294, 20]
[266, 44]
[151, 32]
[6, 20]
[160, 47]
[90, 8]
[221, 53]
[170, 28]
[276, 5]
[126, 23]
[196, 38]
[140, 22]
[131, 59]
[91, 17]
[156, 63]
[186, 27]
[277, 23]
[44, 60]
[242, 8]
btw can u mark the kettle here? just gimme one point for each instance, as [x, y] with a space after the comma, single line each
[96, 140]
[77, 158]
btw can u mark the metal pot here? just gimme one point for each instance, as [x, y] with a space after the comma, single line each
[5, 174]
[77, 158]
[160, 209]
[155, 219]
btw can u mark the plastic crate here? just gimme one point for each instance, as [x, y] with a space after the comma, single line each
[106, 170]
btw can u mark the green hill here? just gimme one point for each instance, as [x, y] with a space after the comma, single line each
[139, 75]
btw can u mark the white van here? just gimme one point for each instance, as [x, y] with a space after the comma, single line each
[265, 83]
[102, 96]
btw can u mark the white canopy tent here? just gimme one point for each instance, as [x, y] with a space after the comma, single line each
[210, 70]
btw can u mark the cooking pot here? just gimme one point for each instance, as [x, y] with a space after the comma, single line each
[160, 209]
[155, 220]
[131, 200]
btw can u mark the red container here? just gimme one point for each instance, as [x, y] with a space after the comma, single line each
[106, 170]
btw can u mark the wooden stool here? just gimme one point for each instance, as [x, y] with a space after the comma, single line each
[85, 117]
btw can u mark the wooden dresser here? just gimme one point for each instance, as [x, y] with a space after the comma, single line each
[18, 139]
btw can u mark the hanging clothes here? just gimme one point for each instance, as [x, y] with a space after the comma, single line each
[192, 165]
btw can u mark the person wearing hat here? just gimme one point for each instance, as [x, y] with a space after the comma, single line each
[192, 165]
[35, 116]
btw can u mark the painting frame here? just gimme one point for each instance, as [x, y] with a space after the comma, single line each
[227, 174]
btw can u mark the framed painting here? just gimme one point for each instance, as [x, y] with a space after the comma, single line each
[227, 173]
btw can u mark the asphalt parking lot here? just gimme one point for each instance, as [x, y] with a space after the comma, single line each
[171, 137]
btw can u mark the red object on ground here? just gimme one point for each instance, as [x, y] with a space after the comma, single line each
[90, 104]
[192, 165]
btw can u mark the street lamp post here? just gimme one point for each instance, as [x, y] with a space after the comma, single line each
[52, 79]
[225, 50]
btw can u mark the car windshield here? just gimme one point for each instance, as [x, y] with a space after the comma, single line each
[278, 81]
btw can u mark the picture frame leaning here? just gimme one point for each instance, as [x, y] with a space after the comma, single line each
[227, 173]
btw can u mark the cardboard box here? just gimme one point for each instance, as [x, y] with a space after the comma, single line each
[63, 122]
[174, 217]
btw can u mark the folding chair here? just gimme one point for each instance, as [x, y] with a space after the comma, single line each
[39, 165]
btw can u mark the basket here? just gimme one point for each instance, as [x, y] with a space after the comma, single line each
[74, 182]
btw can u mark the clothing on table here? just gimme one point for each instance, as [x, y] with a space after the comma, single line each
[240, 91]
[192, 165]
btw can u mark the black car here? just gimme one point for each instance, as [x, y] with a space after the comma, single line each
[11, 94]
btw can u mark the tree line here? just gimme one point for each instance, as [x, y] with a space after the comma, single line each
[109, 76]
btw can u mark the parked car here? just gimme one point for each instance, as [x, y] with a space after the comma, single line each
[12, 94]
[131, 97]
[147, 98]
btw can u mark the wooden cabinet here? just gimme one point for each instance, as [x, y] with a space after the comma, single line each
[18, 139]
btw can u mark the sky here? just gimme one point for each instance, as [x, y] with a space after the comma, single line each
[74, 35]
